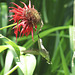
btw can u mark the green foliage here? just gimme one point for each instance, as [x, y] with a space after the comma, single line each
[56, 33]
[2, 48]
[66, 71]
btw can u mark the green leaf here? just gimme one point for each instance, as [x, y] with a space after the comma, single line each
[2, 71]
[27, 64]
[66, 70]
[16, 48]
[4, 16]
[8, 61]
[72, 45]
[43, 34]
[44, 11]
[71, 29]
[8, 41]
[2, 48]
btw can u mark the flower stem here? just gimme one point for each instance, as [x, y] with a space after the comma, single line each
[13, 69]
[8, 26]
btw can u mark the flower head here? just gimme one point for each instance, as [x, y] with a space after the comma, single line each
[29, 18]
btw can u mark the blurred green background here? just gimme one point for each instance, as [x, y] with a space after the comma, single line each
[54, 13]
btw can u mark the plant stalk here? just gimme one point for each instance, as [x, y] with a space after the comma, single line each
[73, 50]
[13, 69]
[8, 26]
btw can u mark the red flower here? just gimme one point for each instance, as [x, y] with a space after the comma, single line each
[29, 18]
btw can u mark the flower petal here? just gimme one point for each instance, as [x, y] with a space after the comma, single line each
[32, 32]
[25, 6]
[29, 4]
[16, 32]
[17, 6]
[35, 27]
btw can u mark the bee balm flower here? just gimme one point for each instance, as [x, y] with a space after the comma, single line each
[29, 18]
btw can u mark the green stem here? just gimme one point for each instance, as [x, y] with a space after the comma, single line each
[35, 52]
[73, 50]
[43, 34]
[74, 27]
[8, 26]
[13, 69]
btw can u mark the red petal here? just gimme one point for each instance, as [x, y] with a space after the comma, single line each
[11, 19]
[17, 10]
[32, 32]
[17, 6]
[29, 4]
[25, 6]
[35, 27]
[16, 32]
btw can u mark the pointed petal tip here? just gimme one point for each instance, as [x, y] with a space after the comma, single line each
[33, 6]
[29, 3]
[25, 6]
[11, 2]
